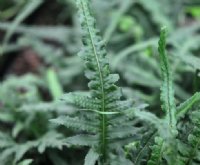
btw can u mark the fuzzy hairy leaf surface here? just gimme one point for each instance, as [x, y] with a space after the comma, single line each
[167, 91]
[81, 101]
[82, 140]
[75, 123]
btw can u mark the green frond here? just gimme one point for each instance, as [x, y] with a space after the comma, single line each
[184, 107]
[10, 150]
[6, 156]
[157, 152]
[16, 152]
[102, 83]
[91, 157]
[190, 151]
[149, 117]
[22, 149]
[50, 140]
[82, 140]
[141, 149]
[94, 55]
[167, 91]
[75, 123]
[100, 113]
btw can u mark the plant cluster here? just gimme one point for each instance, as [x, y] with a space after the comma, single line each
[107, 124]
[110, 121]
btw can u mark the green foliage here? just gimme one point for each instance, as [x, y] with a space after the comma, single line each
[29, 131]
[157, 150]
[113, 125]
[166, 150]
[105, 98]
[187, 105]
[99, 110]
[12, 152]
[194, 10]
[190, 150]
[28, 9]
[155, 8]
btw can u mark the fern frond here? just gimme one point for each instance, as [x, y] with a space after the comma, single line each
[189, 152]
[91, 157]
[157, 152]
[21, 149]
[14, 152]
[150, 117]
[100, 113]
[167, 91]
[142, 149]
[51, 139]
[183, 108]
[104, 92]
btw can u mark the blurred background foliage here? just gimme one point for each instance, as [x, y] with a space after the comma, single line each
[38, 63]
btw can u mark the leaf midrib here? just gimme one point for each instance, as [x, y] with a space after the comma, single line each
[103, 126]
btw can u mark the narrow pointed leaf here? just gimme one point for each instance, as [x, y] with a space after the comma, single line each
[91, 157]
